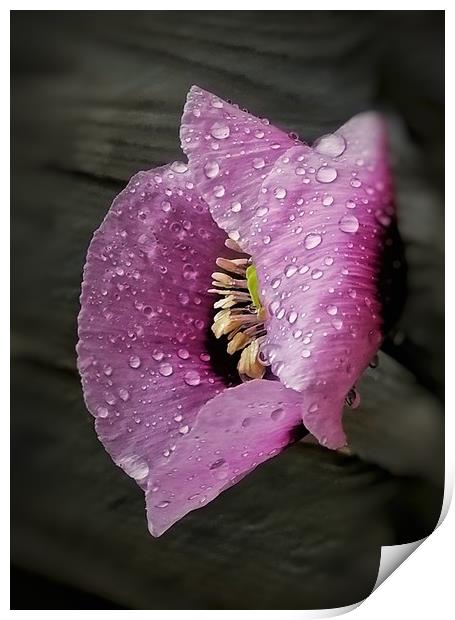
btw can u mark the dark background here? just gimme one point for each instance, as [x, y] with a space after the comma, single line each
[97, 96]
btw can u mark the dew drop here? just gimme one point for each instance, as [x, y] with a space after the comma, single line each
[350, 204]
[306, 353]
[292, 317]
[236, 207]
[331, 309]
[192, 377]
[325, 174]
[337, 323]
[157, 355]
[261, 211]
[275, 283]
[179, 166]
[277, 414]
[330, 145]
[258, 163]
[211, 169]
[166, 370]
[312, 241]
[327, 201]
[134, 361]
[163, 504]
[279, 193]
[102, 412]
[218, 191]
[124, 394]
[313, 407]
[184, 430]
[316, 274]
[220, 131]
[356, 183]
[349, 224]
[166, 206]
[290, 270]
[183, 354]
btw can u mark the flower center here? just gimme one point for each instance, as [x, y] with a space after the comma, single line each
[241, 314]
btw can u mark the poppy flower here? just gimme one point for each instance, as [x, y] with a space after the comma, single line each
[260, 249]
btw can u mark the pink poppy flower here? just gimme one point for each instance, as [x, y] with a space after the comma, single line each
[291, 237]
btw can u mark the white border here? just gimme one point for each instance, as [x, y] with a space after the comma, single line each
[425, 585]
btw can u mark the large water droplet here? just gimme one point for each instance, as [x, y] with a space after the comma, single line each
[349, 224]
[292, 317]
[192, 377]
[220, 131]
[258, 163]
[102, 412]
[330, 145]
[179, 166]
[236, 207]
[279, 193]
[218, 191]
[166, 369]
[331, 309]
[290, 271]
[134, 361]
[325, 174]
[327, 201]
[183, 354]
[312, 241]
[211, 169]
[337, 323]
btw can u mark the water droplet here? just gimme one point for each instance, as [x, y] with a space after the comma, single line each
[102, 412]
[211, 169]
[306, 353]
[266, 240]
[313, 407]
[134, 361]
[300, 171]
[330, 145]
[220, 131]
[261, 211]
[108, 371]
[275, 283]
[157, 355]
[355, 183]
[192, 377]
[166, 369]
[184, 298]
[297, 334]
[277, 414]
[325, 174]
[183, 354]
[292, 317]
[328, 260]
[184, 430]
[350, 204]
[327, 201]
[383, 218]
[179, 167]
[337, 323]
[331, 309]
[316, 274]
[290, 271]
[204, 357]
[349, 224]
[279, 193]
[216, 103]
[312, 241]
[236, 207]
[163, 504]
[258, 163]
[218, 191]
[124, 394]
[166, 206]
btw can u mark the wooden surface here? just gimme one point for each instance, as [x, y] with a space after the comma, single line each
[96, 97]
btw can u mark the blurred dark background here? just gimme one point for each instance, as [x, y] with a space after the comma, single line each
[97, 96]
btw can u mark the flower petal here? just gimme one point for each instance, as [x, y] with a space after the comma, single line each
[230, 152]
[318, 252]
[145, 315]
[233, 433]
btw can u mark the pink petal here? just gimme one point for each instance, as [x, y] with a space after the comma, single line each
[145, 315]
[230, 152]
[318, 252]
[233, 433]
